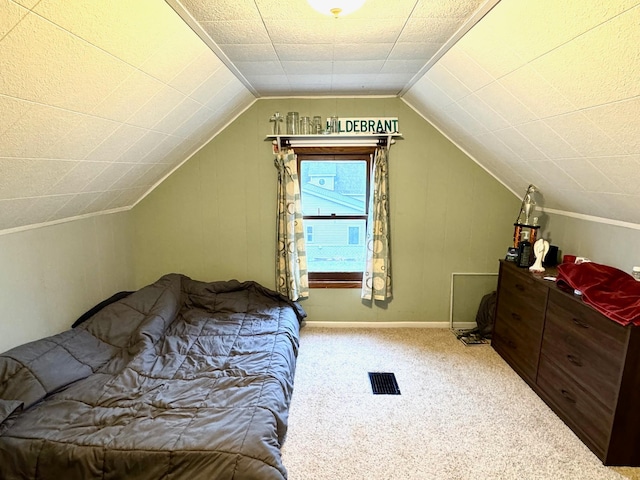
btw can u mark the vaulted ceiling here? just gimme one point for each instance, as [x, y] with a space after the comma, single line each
[100, 101]
[548, 92]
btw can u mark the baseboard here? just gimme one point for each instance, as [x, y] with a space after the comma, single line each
[458, 325]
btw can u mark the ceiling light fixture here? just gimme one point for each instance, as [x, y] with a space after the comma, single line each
[336, 7]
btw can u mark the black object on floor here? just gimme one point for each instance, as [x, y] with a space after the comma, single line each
[471, 337]
[384, 383]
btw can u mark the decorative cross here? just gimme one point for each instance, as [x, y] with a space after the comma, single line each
[276, 118]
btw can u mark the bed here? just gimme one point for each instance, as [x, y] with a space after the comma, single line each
[179, 380]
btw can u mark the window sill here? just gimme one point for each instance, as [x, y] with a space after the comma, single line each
[335, 284]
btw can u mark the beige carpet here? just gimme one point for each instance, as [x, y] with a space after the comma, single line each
[463, 414]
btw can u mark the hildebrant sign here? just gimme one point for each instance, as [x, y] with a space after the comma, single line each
[368, 125]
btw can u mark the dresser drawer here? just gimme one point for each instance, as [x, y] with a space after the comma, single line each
[519, 351]
[515, 312]
[522, 298]
[588, 418]
[586, 345]
[521, 304]
[593, 327]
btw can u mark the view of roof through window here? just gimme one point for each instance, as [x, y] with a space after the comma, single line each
[334, 189]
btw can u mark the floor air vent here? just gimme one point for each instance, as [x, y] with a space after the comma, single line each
[384, 383]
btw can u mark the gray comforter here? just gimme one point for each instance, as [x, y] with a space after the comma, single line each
[180, 380]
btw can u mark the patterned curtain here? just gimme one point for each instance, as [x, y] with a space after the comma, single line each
[376, 280]
[291, 262]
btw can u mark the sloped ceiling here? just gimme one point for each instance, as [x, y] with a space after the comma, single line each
[99, 101]
[548, 93]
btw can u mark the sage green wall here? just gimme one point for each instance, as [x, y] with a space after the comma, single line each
[600, 242]
[214, 218]
[52, 275]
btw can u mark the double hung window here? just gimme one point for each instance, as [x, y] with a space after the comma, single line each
[334, 187]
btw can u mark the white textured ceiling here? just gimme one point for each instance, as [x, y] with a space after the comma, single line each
[101, 100]
[548, 92]
[284, 46]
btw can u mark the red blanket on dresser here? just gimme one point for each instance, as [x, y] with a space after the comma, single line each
[612, 292]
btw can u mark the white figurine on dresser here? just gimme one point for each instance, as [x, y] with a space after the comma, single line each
[540, 249]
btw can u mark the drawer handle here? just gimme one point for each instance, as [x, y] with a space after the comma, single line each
[515, 316]
[567, 395]
[575, 360]
[520, 287]
[579, 323]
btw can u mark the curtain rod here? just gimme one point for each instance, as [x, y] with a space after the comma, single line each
[378, 140]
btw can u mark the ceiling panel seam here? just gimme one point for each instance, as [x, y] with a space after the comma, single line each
[464, 28]
[195, 26]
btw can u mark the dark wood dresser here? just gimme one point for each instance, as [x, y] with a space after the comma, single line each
[585, 366]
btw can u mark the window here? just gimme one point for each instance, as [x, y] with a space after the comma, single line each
[354, 235]
[334, 187]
